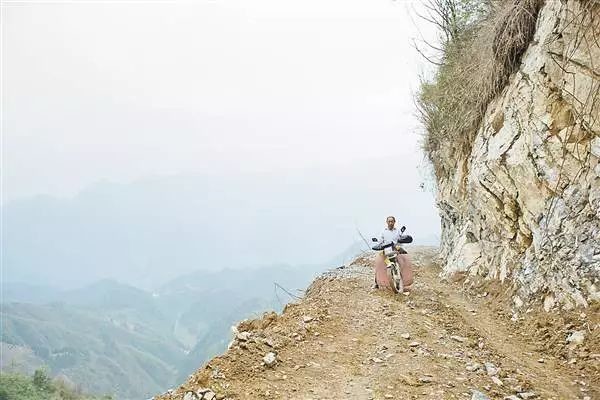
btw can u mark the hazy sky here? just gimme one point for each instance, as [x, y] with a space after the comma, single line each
[110, 90]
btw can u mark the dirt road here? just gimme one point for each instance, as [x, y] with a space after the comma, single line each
[346, 341]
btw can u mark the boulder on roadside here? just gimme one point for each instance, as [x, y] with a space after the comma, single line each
[270, 359]
[477, 395]
[576, 337]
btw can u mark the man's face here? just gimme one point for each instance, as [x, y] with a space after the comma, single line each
[390, 223]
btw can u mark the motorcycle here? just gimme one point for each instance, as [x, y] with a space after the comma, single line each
[397, 265]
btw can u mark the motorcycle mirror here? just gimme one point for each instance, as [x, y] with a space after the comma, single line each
[374, 239]
[402, 229]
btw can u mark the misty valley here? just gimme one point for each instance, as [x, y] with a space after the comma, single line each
[116, 339]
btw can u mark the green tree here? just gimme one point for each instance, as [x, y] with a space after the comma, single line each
[41, 380]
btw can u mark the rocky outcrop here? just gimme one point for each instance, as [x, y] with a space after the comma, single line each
[524, 206]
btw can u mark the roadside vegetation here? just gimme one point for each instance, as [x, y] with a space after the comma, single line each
[40, 386]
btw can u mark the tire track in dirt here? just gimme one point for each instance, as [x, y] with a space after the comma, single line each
[502, 347]
[507, 349]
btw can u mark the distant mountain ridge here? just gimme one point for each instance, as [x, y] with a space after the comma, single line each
[150, 231]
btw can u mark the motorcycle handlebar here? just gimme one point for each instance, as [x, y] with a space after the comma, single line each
[404, 239]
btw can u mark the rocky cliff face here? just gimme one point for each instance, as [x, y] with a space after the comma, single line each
[525, 205]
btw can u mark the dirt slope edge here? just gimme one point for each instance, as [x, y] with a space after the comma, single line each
[443, 341]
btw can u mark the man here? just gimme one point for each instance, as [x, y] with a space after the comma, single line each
[390, 233]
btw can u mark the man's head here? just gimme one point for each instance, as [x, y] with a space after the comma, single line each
[391, 221]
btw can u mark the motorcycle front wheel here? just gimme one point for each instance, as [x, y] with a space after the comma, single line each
[395, 278]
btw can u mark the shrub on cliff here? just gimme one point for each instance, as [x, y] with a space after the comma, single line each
[481, 46]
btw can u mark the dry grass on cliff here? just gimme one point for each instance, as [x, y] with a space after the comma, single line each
[476, 66]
